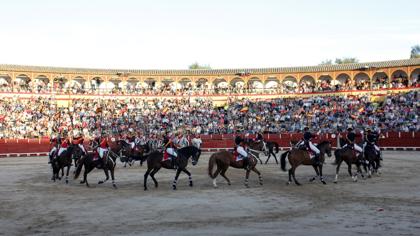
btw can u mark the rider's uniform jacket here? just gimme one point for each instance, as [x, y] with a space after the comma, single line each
[65, 143]
[351, 136]
[78, 140]
[103, 143]
[371, 138]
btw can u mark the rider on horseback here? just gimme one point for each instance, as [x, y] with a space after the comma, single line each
[260, 138]
[131, 138]
[170, 148]
[371, 138]
[65, 142]
[350, 140]
[78, 140]
[307, 136]
[55, 142]
[240, 150]
[102, 148]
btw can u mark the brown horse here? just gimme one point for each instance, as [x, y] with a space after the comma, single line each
[299, 157]
[349, 156]
[256, 148]
[224, 159]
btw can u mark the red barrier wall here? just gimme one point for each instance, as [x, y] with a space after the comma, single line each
[391, 139]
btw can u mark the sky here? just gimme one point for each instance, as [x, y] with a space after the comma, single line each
[172, 34]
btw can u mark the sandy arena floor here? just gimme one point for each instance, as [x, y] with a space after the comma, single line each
[388, 204]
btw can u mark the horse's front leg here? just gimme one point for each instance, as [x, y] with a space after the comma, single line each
[320, 175]
[106, 176]
[246, 178]
[178, 171]
[67, 174]
[189, 176]
[317, 173]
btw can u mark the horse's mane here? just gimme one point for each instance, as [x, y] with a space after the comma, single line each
[325, 142]
[187, 149]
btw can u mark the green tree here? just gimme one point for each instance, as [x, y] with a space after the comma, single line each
[415, 51]
[346, 60]
[196, 66]
[326, 62]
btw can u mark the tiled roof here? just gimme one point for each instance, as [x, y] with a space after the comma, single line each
[213, 72]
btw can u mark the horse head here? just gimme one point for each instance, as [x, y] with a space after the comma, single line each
[325, 147]
[191, 151]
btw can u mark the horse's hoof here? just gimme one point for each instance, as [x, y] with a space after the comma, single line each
[191, 184]
[173, 187]
[247, 186]
[312, 179]
[145, 189]
[115, 186]
[229, 183]
[335, 181]
[297, 183]
[67, 181]
[288, 183]
[323, 182]
[100, 182]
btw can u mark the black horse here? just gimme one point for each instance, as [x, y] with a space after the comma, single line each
[155, 162]
[129, 156]
[60, 162]
[373, 159]
[90, 162]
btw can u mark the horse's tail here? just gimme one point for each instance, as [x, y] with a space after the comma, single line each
[283, 160]
[212, 161]
[79, 167]
[277, 147]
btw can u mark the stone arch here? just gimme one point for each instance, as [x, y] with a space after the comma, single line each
[343, 82]
[290, 84]
[325, 82]
[220, 83]
[202, 83]
[237, 82]
[380, 80]
[362, 81]
[130, 84]
[271, 83]
[5, 81]
[399, 78]
[185, 83]
[255, 83]
[415, 76]
[59, 82]
[151, 82]
[307, 84]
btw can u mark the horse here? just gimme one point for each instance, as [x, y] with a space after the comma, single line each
[255, 148]
[299, 157]
[128, 156]
[349, 156]
[224, 159]
[155, 162]
[373, 159]
[270, 146]
[90, 162]
[61, 161]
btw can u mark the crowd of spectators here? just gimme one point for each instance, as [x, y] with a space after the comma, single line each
[41, 117]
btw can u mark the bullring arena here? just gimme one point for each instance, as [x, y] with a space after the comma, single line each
[386, 204]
